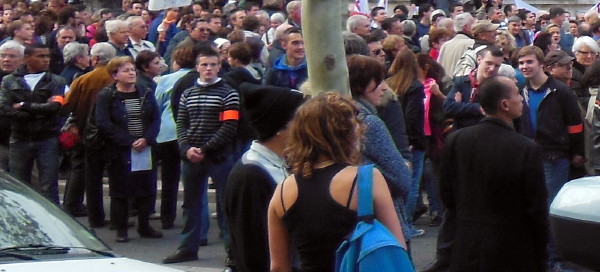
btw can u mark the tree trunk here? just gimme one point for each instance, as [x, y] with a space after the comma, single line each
[325, 56]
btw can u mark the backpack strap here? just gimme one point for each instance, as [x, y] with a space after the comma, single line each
[365, 193]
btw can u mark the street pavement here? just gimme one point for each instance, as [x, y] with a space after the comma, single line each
[212, 257]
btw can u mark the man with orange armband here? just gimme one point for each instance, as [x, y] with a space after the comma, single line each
[32, 98]
[207, 122]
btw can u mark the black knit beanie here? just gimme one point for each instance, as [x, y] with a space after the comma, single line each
[269, 108]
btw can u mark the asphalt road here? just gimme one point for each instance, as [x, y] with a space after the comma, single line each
[212, 256]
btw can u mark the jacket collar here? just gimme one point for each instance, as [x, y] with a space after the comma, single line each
[497, 121]
[366, 106]
[22, 71]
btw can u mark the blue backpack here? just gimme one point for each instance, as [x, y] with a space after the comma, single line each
[371, 246]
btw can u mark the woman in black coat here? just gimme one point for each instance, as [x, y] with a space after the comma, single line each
[127, 116]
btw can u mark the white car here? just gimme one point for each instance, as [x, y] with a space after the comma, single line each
[575, 222]
[36, 235]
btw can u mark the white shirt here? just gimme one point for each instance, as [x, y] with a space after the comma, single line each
[135, 48]
[33, 79]
[275, 165]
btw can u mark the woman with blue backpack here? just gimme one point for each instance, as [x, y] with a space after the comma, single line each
[314, 210]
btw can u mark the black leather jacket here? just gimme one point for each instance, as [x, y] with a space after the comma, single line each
[38, 117]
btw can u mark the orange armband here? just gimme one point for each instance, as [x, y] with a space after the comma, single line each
[58, 99]
[229, 115]
[575, 129]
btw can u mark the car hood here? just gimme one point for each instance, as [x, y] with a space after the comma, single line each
[578, 199]
[87, 265]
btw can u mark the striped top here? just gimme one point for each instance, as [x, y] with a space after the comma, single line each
[199, 121]
[133, 105]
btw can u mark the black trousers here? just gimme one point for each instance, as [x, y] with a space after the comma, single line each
[446, 236]
[75, 188]
[170, 170]
[94, 171]
[126, 185]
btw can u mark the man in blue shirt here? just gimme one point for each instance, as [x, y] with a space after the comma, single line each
[551, 117]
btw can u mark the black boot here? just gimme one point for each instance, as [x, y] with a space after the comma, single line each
[119, 216]
[144, 205]
[437, 266]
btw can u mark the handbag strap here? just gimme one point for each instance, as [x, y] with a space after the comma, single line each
[365, 193]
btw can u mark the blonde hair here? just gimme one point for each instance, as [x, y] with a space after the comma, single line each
[390, 42]
[113, 66]
[325, 125]
[404, 72]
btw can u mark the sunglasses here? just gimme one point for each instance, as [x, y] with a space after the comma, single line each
[377, 51]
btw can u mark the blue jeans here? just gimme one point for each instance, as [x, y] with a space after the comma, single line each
[44, 153]
[431, 186]
[557, 174]
[418, 157]
[195, 200]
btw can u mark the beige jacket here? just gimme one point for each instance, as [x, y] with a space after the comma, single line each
[452, 50]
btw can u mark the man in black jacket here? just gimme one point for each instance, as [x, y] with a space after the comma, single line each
[254, 177]
[32, 98]
[11, 58]
[462, 103]
[492, 178]
[552, 118]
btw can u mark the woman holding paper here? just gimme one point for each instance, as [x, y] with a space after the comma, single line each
[127, 116]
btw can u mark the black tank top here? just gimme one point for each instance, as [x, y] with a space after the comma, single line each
[317, 224]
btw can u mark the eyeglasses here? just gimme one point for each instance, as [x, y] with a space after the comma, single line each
[203, 29]
[587, 53]
[377, 52]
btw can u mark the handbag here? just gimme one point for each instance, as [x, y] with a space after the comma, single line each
[92, 137]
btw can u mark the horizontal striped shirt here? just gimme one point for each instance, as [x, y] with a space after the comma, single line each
[133, 105]
[199, 121]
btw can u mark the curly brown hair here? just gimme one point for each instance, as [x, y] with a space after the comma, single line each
[325, 125]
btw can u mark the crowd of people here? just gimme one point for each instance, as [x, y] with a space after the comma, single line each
[480, 107]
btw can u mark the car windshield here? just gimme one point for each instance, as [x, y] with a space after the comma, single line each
[27, 218]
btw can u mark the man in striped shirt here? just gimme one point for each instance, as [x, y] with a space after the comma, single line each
[206, 125]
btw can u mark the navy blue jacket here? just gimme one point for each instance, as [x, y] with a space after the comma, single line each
[464, 113]
[111, 117]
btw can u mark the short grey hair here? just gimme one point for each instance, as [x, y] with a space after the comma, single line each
[13, 45]
[354, 21]
[278, 17]
[73, 50]
[113, 26]
[130, 19]
[507, 71]
[462, 20]
[410, 28]
[445, 23]
[585, 40]
[291, 6]
[104, 51]
[262, 14]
